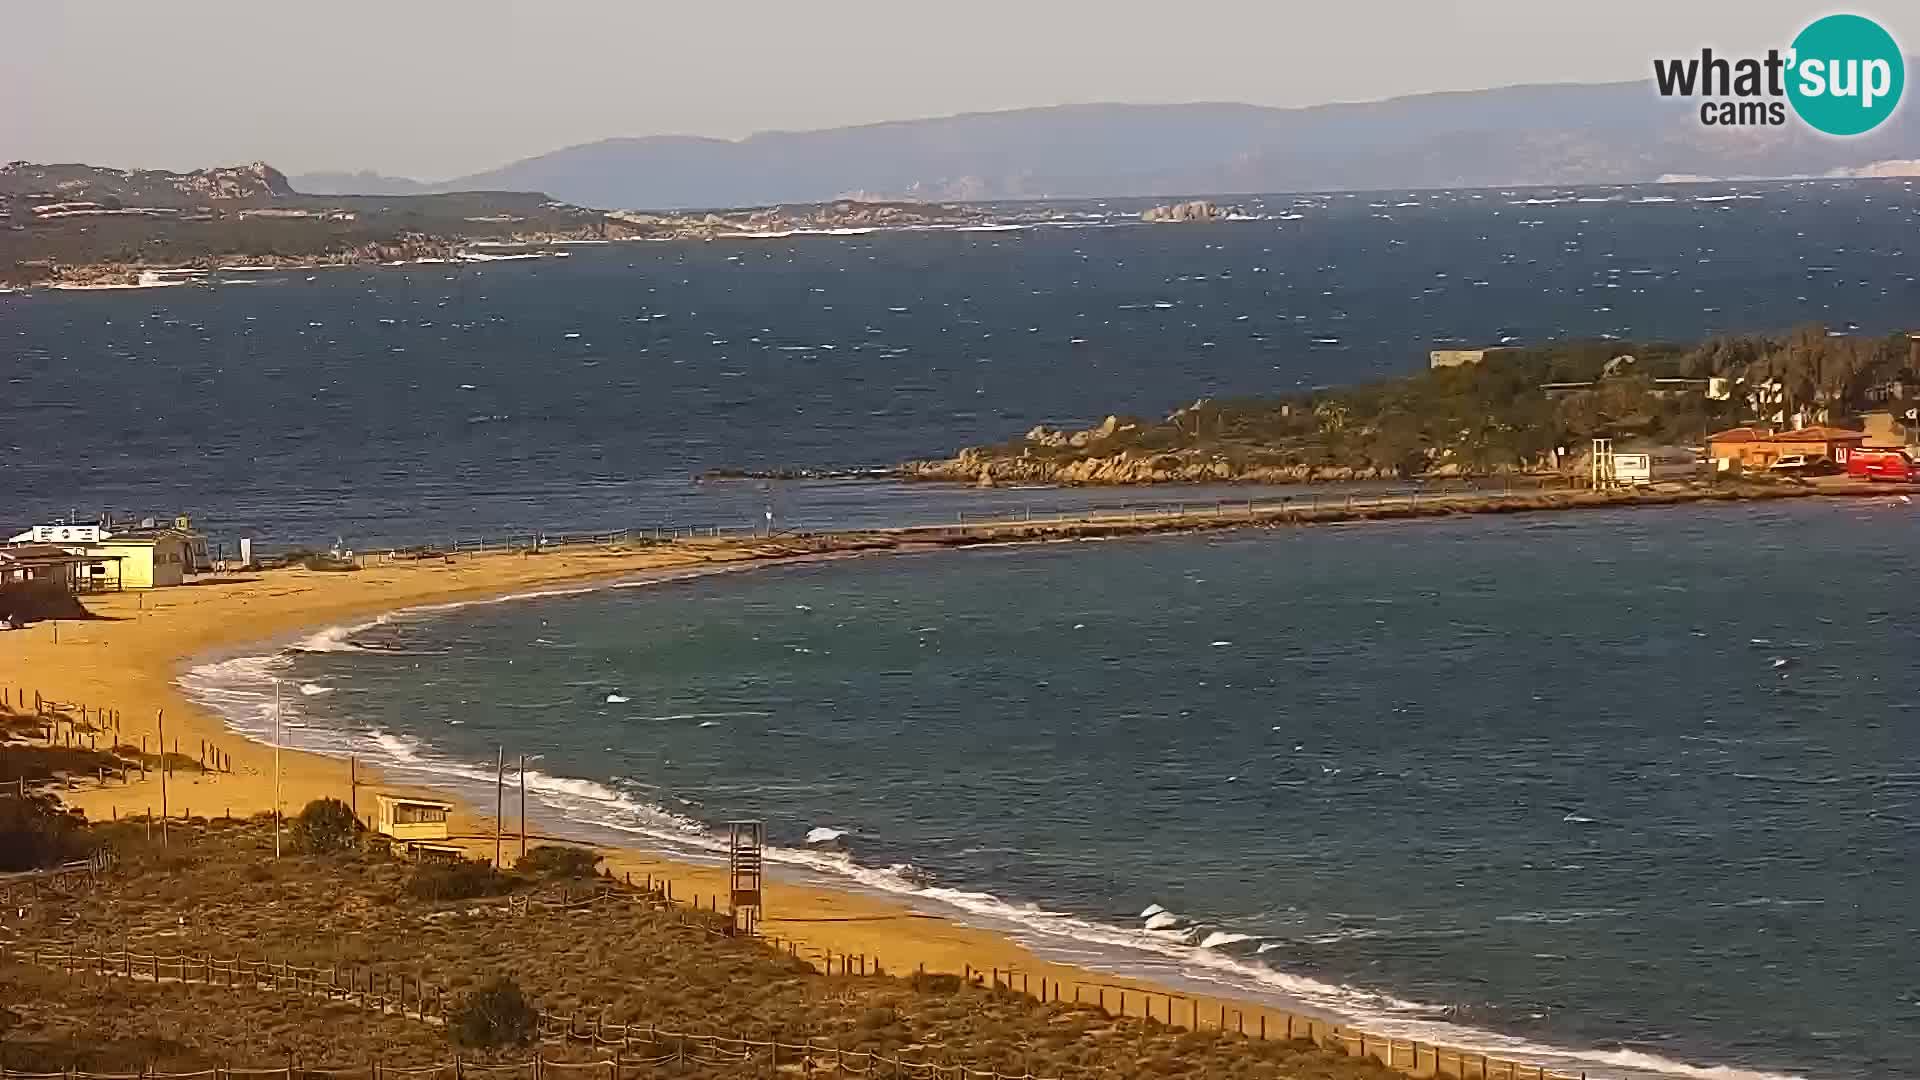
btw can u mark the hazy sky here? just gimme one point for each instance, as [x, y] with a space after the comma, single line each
[436, 88]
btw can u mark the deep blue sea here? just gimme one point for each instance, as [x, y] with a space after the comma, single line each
[1629, 793]
[414, 404]
[1619, 792]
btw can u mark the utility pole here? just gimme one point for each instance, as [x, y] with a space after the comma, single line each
[160, 721]
[499, 797]
[523, 806]
[276, 768]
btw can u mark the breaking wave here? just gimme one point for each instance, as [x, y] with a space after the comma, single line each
[240, 689]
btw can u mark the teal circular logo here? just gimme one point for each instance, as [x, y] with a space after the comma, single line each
[1847, 75]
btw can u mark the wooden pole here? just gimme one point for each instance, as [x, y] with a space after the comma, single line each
[499, 798]
[160, 720]
[276, 768]
[523, 808]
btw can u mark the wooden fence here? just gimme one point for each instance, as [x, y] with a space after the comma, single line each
[429, 1002]
[641, 1046]
[60, 879]
[78, 726]
[635, 1046]
[419, 999]
[1411, 1056]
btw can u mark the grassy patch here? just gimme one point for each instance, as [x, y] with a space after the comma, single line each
[359, 916]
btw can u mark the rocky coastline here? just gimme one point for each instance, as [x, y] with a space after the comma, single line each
[843, 214]
[984, 468]
[82, 226]
[1107, 455]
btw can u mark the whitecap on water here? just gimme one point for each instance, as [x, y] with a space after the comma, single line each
[617, 699]
[820, 834]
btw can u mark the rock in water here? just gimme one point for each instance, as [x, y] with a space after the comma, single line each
[1197, 210]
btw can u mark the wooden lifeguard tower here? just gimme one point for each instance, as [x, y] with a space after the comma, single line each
[745, 841]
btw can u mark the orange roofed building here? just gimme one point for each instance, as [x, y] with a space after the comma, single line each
[1758, 448]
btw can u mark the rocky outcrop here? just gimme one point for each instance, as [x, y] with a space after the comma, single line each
[777, 220]
[1110, 453]
[257, 182]
[1042, 435]
[1197, 210]
[988, 468]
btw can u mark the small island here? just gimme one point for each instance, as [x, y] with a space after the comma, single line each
[1196, 210]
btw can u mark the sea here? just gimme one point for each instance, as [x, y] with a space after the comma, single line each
[438, 402]
[1627, 793]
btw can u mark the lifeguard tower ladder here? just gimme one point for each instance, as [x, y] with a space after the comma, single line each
[745, 841]
[1603, 474]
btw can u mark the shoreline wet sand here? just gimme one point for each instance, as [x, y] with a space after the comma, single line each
[128, 659]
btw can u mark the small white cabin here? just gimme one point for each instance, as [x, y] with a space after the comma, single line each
[410, 819]
[1633, 469]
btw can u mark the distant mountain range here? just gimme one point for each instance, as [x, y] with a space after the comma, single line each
[364, 182]
[1519, 135]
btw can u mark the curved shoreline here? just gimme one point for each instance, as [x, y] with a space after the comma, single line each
[137, 672]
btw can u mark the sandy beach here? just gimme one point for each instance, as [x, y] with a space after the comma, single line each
[129, 656]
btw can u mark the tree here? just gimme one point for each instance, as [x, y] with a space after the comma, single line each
[558, 861]
[325, 825]
[495, 1015]
[35, 832]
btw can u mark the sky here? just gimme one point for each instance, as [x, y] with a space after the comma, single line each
[435, 89]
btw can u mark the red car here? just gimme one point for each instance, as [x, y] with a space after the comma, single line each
[1896, 465]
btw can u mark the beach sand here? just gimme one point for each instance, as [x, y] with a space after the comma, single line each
[127, 660]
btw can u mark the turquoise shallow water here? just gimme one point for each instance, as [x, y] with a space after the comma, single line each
[1621, 790]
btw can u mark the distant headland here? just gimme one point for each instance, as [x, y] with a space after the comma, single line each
[85, 226]
[1488, 412]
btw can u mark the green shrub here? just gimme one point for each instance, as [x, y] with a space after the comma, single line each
[556, 861]
[925, 982]
[497, 1014]
[35, 832]
[326, 825]
[328, 563]
[462, 879]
